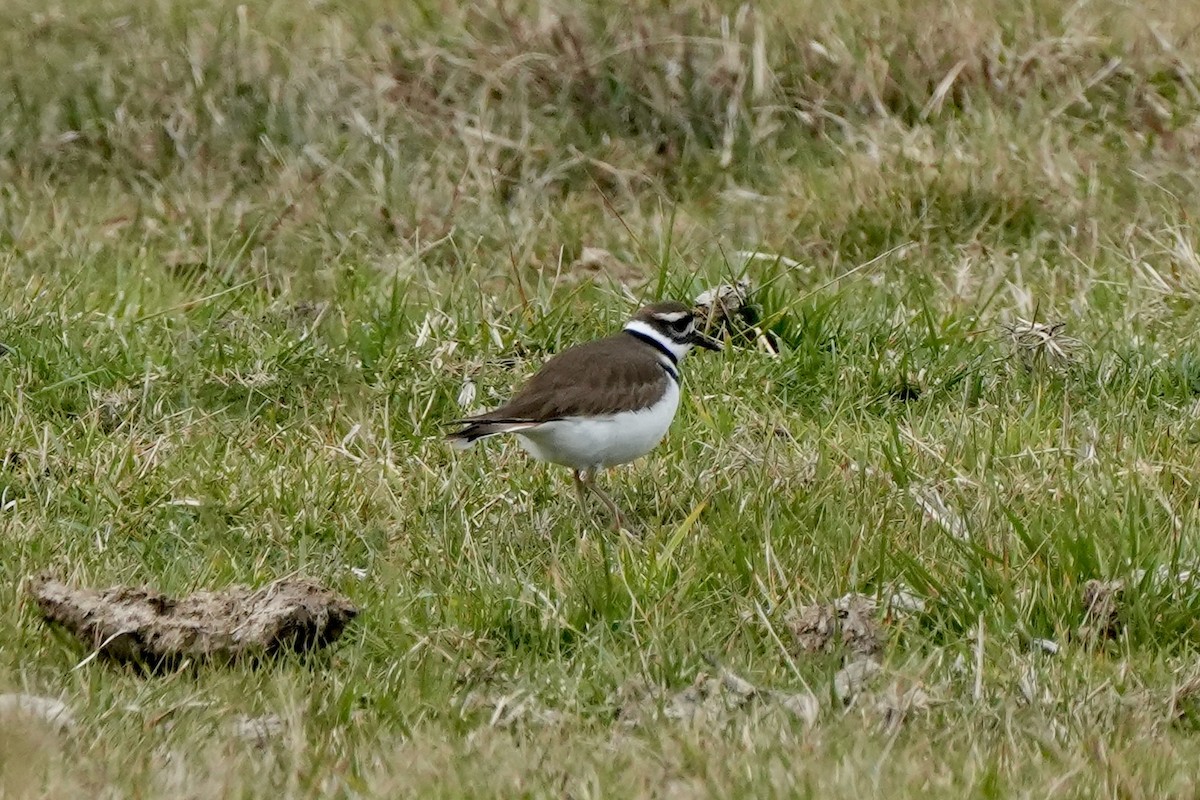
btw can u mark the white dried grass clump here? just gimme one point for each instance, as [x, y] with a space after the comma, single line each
[1042, 345]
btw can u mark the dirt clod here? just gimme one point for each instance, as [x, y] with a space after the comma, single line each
[512, 709]
[1101, 610]
[257, 731]
[852, 620]
[727, 310]
[139, 625]
[851, 679]
[725, 303]
[713, 700]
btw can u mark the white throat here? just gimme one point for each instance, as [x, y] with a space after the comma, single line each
[674, 348]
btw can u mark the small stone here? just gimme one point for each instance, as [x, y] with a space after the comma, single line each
[258, 731]
[802, 705]
[851, 679]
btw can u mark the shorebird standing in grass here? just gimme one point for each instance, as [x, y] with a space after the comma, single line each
[602, 403]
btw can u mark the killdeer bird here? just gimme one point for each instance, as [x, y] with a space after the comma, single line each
[602, 403]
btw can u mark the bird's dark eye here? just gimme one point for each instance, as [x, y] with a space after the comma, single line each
[681, 325]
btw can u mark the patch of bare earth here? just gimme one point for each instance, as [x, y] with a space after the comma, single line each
[141, 626]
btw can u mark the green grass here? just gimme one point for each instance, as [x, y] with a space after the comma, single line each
[250, 255]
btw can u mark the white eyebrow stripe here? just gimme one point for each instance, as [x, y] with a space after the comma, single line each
[671, 316]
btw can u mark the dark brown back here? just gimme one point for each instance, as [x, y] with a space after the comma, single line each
[619, 373]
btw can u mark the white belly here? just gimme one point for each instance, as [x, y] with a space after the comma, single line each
[584, 443]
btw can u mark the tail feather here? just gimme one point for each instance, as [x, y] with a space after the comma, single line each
[474, 431]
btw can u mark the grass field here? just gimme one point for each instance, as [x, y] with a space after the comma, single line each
[254, 257]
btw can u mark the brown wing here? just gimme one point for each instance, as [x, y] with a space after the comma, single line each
[600, 377]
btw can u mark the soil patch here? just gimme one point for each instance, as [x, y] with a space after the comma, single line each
[139, 625]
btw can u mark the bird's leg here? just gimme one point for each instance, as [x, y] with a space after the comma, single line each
[590, 482]
[580, 487]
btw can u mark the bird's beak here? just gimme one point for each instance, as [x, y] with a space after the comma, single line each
[707, 342]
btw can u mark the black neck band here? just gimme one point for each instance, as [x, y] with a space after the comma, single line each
[655, 343]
